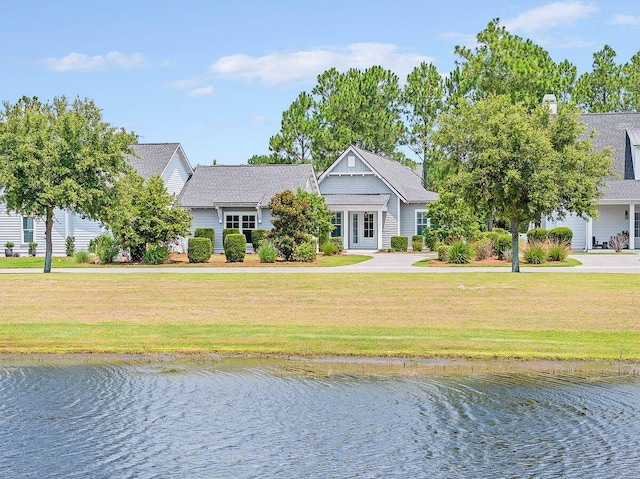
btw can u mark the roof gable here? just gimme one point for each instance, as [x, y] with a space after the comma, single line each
[151, 159]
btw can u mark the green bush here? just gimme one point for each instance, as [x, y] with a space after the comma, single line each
[483, 248]
[558, 251]
[399, 243]
[256, 237]
[328, 249]
[537, 235]
[199, 250]
[205, 233]
[267, 252]
[459, 253]
[338, 243]
[305, 252]
[105, 247]
[70, 246]
[235, 247]
[500, 231]
[430, 238]
[502, 244]
[561, 234]
[81, 257]
[230, 231]
[443, 252]
[156, 255]
[535, 253]
[417, 242]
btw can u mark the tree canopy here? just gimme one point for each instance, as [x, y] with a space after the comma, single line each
[59, 155]
[521, 164]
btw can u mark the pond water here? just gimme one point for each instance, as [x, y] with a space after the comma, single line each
[243, 419]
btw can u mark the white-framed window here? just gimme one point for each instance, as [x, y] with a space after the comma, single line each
[245, 222]
[368, 225]
[637, 225]
[336, 221]
[28, 230]
[422, 221]
[351, 161]
[354, 235]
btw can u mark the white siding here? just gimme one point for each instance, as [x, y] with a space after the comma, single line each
[610, 222]
[175, 174]
[577, 225]
[83, 230]
[408, 219]
[208, 218]
[11, 230]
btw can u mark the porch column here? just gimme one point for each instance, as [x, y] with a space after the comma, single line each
[345, 229]
[589, 239]
[632, 224]
[66, 224]
[379, 229]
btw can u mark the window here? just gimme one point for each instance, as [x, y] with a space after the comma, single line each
[336, 221]
[248, 225]
[28, 230]
[351, 161]
[368, 225]
[637, 226]
[233, 221]
[355, 228]
[421, 221]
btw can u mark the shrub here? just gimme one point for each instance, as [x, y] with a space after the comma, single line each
[558, 251]
[619, 242]
[399, 243]
[507, 254]
[459, 253]
[502, 244]
[443, 252]
[229, 231]
[535, 253]
[70, 246]
[562, 233]
[105, 247]
[235, 247]
[9, 244]
[500, 231]
[156, 255]
[328, 249]
[430, 238]
[81, 257]
[199, 250]
[338, 243]
[305, 252]
[256, 237]
[483, 248]
[417, 242]
[537, 235]
[205, 233]
[267, 252]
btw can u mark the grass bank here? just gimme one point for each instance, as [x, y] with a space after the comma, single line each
[481, 315]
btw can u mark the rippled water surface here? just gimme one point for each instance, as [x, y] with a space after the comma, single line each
[162, 420]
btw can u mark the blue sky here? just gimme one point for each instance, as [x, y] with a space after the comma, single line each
[217, 75]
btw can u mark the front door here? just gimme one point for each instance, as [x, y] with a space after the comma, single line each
[363, 230]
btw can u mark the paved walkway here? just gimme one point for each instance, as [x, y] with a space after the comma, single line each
[381, 263]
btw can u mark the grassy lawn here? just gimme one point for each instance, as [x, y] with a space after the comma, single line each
[434, 262]
[555, 316]
[182, 261]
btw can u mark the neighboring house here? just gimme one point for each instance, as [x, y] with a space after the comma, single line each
[238, 196]
[619, 208]
[165, 159]
[374, 198]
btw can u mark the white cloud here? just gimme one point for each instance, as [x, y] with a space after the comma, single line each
[259, 119]
[620, 19]
[550, 16]
[462, 39]
[202, 91]
[81, 62]
[305, 66]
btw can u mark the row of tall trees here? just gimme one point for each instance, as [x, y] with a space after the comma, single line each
[369, 108]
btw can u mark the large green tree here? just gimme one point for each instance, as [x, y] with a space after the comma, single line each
[143, 214]
[59, 155]
[294, 142]
[602, 89]
[521, 164]
[631, 79]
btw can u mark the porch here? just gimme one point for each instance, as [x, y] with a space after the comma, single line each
[614, 219]
[358, 219]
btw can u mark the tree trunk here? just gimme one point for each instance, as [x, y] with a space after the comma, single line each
[515, 260]
[49, 245]
[490, 223]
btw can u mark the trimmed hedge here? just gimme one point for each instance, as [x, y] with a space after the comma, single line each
[337, 242]
[230, 231]
[399, 243]
[205, 233]
[235, 247]
[538, 235]
[417, 242]
[256, 237]
[443, 253]
[305, 252]
[561, 234]
[199, 250]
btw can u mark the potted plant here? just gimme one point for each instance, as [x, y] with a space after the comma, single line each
[8, 251]
[32, 248]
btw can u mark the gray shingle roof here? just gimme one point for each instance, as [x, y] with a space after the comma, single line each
[402, 178]
[151, 158]
[252, 185]
[621, 190]
[612, 131]
[377, 201]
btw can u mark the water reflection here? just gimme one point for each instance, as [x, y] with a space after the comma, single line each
[297, 420]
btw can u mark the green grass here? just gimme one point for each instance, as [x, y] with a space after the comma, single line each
[480, 315]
